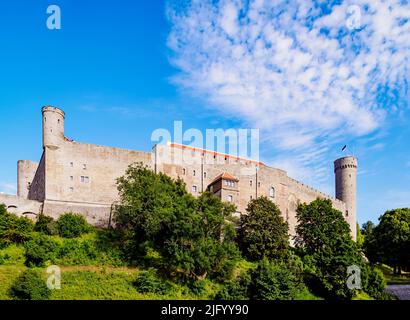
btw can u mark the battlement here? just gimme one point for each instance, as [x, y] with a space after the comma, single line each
[53, 109]
[348, 162]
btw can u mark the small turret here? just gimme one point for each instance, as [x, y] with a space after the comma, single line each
[53, 127]
[345, 175]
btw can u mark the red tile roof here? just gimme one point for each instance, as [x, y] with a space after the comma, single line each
[225, 176]
[182, 146]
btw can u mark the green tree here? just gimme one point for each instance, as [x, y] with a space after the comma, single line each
[192, 235]
[373, 282]
[367, 228]
[71, 225]
[390, 240]
[13, 229]
[30, 286]
[46, 225]
[359, 236]
[263, 232]
[324, 237]
[273, 281]
[39, 250]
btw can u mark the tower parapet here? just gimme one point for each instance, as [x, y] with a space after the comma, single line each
[345, 178]
[53, 127]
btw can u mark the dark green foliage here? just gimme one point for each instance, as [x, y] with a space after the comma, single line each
[39, 250]
[3, 209]
[389, 242]
[4, 258]
[46, 225]
[263, 231]
[149, 282]
[72, 225]
[324, 240]
[373, 282]
[192, 235]
[13, 229]
[273, 281]
[30, 286]
[367, 228]
[197, 287]
[236, 289]
[75, 252]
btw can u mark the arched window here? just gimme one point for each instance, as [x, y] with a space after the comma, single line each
[272, 192]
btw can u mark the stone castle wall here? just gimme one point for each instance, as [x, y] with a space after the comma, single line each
[37, 188]
[26, 171]
[77, 172]
[198, 168]
[79, 177]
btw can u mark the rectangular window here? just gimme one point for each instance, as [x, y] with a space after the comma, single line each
[71, 189]
[71, 164]
[194, 173]
[71, 178]
[84, 166]
[85, 179]
[230, 198]
[250, 183]
[204, 174]
[193, 189]
[183, 171]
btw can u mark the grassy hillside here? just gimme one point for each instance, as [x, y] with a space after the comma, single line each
[91, 282]
[391, 278]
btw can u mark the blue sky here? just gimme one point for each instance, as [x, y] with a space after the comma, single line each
[121, 69]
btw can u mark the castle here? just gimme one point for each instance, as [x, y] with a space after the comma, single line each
[78, 177]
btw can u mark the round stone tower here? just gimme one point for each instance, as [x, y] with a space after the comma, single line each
[345, 174]
[53, 127]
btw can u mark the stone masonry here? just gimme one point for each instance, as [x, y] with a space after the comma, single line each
[79, 177]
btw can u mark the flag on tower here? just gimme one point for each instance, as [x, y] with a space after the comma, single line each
[344, 148]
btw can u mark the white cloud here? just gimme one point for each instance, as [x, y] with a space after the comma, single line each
[298, 74]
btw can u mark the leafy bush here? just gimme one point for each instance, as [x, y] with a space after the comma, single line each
[4, 258]
[273, 281]
[3, 209]
[236, 289]
[149, 282]
[197, 287]
[76, 252]
[46, 225]
[12, 255]
[39, 250]
[30, 286]
[13, 229]
[373, 282]
[72, 225]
